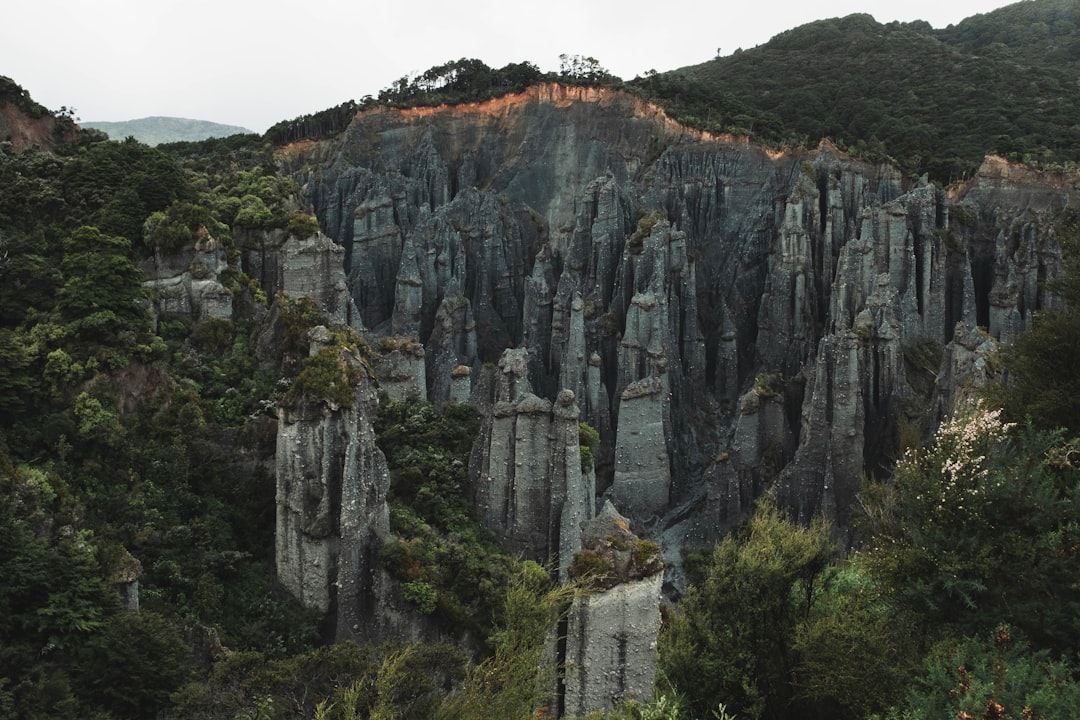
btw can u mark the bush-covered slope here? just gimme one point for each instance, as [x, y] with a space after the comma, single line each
[934, 100]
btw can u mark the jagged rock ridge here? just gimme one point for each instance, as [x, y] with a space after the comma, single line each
[733, 321]
[657, 272]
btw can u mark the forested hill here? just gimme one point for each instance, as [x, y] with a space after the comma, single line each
[200, 497]
[935, 101]
[930, 101]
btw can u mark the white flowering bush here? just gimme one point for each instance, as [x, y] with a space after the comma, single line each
[956, 474]
[983, 527]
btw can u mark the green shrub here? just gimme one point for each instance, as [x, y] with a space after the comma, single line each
[589, 440]
[644, 553]
[330, 375]
[636, 242]
[421, 594]
[302, 225]
[590, 564]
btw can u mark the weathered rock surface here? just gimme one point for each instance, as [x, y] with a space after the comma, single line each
[657, 274]
[611, 634]
[732, 320]
[527, 480]
[332, 515]
[184, 283]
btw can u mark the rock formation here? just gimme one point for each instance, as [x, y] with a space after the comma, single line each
[184, 283]
[731, 319]
[657, 273]
[611, 633]
[527, 479]
[332, 515]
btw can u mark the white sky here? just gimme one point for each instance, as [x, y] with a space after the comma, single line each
[254, 62]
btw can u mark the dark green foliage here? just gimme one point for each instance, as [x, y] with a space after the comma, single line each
[589, 563]
[219, 159]
[302, 225]
[133, 665]
[584, 70]
[935, 100]
[178, 226]
[589, 441]
[298, 317]
[732, 639]
[458, 81]
[856, 652]
[101, 286]
[115, 444]
[983, 528]
[996, 675]
[53, 597]
[258, 199]
[331, 374]
[315, 126]
[328, 682]
[449, 563]
[1043, 377]
[511, 682]
[103, 169]
[12, 92]
[18, 385]
[414, 423]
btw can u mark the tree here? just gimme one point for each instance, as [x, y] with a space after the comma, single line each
[732, 639]
[576, 68]
[994, 675]
[133, 665]
[17, 382]
[511, 683]
[983, 527]
[102, 286]
[176, 226]
[856, 652]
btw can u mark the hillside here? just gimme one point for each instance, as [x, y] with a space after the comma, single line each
[27, 124]
[157, 130]
[509, 395]
[935, 101]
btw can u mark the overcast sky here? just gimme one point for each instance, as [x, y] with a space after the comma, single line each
[252, 64]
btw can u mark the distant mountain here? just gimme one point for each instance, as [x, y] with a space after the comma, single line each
[157, 130]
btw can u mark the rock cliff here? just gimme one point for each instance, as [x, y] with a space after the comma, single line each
[528, 483]
[609, 642]
[660, 275]
[332, 515]
[733, 320]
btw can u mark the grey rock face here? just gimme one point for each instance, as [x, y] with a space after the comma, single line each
[332, 516]
[400, 368]
[312, 267]
[527, 480]
[611, 633]
[732, 320]
[184, 283]
[332, 480]
[657, 273]
[642, 469]
[611, 646]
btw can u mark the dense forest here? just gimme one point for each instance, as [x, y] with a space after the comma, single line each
[933, 101]
[134, 449]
